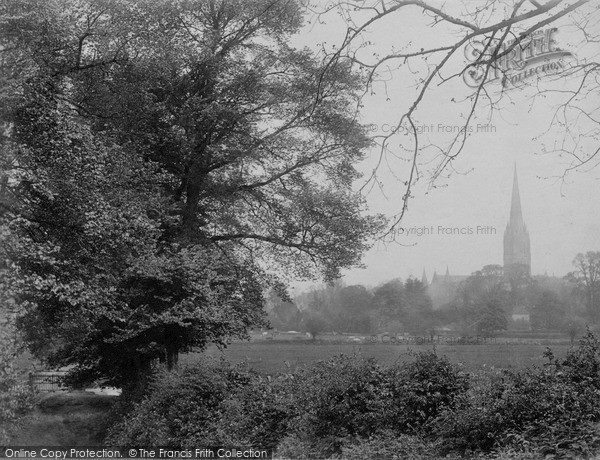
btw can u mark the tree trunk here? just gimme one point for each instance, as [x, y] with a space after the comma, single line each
[172, 357]
[195, 179]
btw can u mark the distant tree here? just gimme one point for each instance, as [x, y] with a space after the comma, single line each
[449, 313]
[519, 279]
[343, 307]
[282, 314]
[415, 294]
[586, 279]
[492, 318]
[322, 301]
[356, 298]
[354, 311]
[388, 303]
[319, 302]
[483, 299]
[548, 311]
[314, 325]
[418, 312]
[573, 326]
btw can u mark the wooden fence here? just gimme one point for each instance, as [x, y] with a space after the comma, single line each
[47, 380]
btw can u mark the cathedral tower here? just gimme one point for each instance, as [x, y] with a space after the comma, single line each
[517, 253]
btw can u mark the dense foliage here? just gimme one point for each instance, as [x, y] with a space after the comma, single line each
[555, 409]
[320, 407]
[394, 306]
[170, 160]
[352, 407]
[15, 395]
[16, 398]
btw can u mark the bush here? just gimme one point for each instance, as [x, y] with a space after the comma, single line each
[317, 410]
[556, 409]
[420, 390]
[348, 397]
[341, 397]
[581, 365]
[254, 415]
[179, 406]
[210, 404]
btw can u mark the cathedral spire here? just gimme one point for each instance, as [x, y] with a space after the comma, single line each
[424, 279]
[516, 214]
[517, 254]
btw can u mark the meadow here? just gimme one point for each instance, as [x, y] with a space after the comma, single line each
[289, 352]
[510, 406]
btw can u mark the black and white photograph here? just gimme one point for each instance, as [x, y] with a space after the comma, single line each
[300, 229]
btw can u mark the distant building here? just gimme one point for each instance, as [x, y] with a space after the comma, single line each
[520, 319]
[442, 289]
[521, 315]
[517, 255]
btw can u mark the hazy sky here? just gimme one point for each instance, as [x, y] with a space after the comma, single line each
[561, 215]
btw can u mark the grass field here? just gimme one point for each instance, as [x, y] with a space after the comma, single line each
[274, 356]
[289, 351]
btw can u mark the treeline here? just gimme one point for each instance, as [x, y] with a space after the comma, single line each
[488, 301]
[394, 306]
[492, 300]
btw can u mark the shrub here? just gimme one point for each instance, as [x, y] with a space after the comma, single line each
[347, 398]
[555, 408]
[319, 409]
[420, 390]
[338, 398]
[256, 414]
[582, 364]
[178, 406]
[485, 414]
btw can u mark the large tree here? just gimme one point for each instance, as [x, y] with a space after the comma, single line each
[171, 159]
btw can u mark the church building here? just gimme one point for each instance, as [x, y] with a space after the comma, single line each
[517, 254]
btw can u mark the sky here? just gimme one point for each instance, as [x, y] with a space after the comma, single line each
[561, 213]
